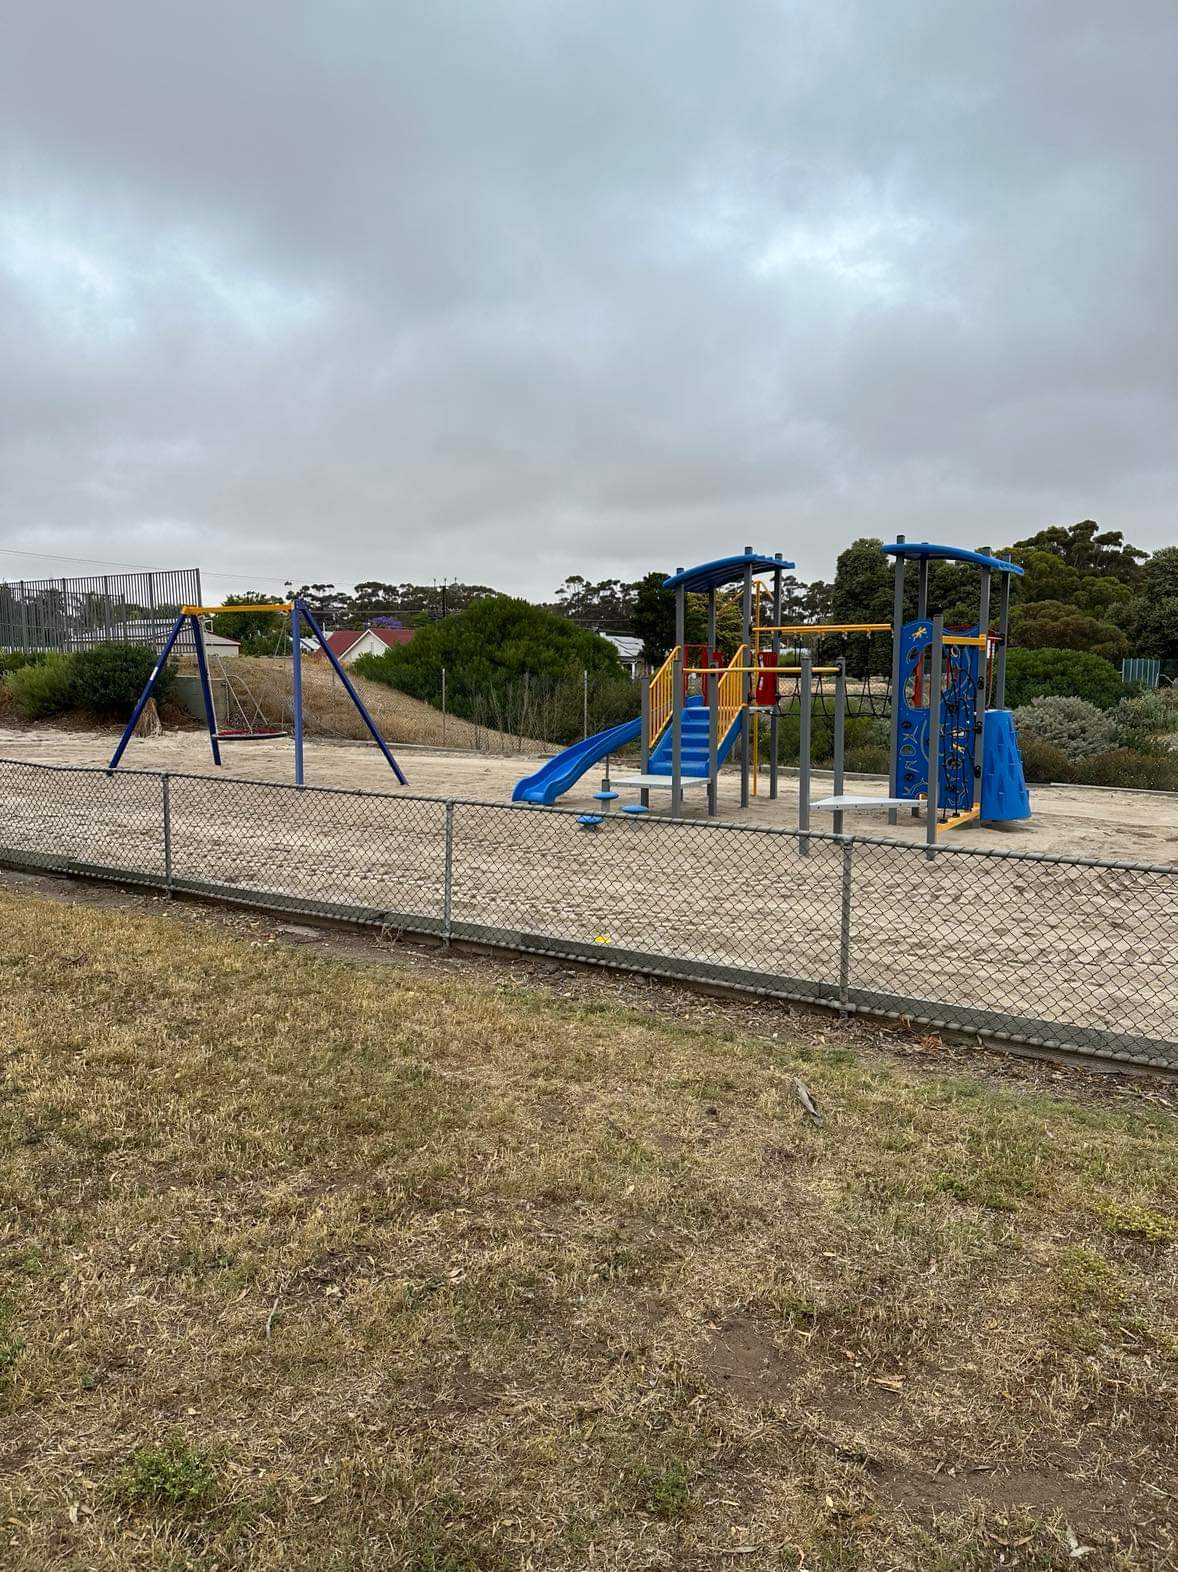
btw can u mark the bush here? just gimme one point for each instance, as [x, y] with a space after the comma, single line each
[1125, 767]
[1072, 674]
[1142, 716]
[109, 678]
[1074, 726]
[17, 660]
[43, 689]
[495, 642]
[1042, 762]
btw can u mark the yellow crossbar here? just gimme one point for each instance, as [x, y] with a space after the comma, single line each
[831, 627]
[975, 640]
[781, 671]
[961, 818]
[199, 611]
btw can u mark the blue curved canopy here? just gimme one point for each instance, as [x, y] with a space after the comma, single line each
[725, 570]
[922, 549]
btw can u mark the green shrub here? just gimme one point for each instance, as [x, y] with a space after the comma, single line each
[1125, 767]
[1072, 674]
[867, 759]
[1042, 762]
[497, 642]
[1074, 726]
[109, 678]
[1144, 715]
[44, 689]
[17, 660]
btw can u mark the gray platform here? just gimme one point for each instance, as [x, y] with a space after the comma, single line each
[847, 801]
[656, 782]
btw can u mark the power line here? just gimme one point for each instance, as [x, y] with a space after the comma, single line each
[134, 567]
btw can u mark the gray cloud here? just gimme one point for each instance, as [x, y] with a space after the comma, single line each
[522, 288]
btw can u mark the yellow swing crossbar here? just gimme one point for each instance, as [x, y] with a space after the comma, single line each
[200, 611]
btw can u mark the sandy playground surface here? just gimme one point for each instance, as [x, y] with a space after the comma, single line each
[1080, 947]
[1068, 821]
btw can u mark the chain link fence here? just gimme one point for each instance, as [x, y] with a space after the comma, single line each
[1065, 953]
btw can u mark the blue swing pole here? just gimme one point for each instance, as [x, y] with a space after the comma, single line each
[296, 658]
[146, 694]
[206, 686]
[351, 692]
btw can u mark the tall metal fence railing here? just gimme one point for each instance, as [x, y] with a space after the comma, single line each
[1068, 953]
[72, 614]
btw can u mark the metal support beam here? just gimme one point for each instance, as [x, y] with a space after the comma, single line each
[897, 626]
[677, 734]
[979, 718]
[202, 666]
[644, 794]
[746, 630]
[774, 720]
[296, 690]
[806, 698]
[713, 692]
[840, 733]
[998, 691]
[373, 729]
[129, 730]
[936, 675]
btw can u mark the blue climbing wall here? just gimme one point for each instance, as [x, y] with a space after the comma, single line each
[958, 714]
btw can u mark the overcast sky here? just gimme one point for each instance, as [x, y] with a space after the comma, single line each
[504, 290]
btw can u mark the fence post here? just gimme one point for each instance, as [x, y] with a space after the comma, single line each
[845, 927]
[167, 785]
[443, 706]
[584, 703]
[448, 875]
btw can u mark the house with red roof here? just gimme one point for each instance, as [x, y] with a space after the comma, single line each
[348, 644]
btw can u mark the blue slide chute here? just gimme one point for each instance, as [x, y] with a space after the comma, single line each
[555, 777]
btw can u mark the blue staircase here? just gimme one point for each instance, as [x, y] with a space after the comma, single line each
[694, 756]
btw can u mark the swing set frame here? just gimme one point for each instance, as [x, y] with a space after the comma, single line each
[299, 613]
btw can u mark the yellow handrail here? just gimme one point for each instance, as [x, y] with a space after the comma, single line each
[661, 689]
[730, 694]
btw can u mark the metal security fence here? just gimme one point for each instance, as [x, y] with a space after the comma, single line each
[72, 614]
[1075, 954]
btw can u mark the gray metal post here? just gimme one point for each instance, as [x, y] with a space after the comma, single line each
[677, 735]
[932, 800]
[774, 721]
[746, 624]
[845, 927]
[644, 794]
[894, 738]
[448, 874]
[584, 702]
[677, 701]
[840, 734]
[921, 588]
[443, 706]
[167, 789]
[713, 683]
[979, 719]
[806, 697]
[998, 692]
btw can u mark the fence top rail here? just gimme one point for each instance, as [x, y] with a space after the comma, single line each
[682, 826]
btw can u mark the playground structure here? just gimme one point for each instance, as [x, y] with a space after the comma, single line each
[299, 613]
[702, 706]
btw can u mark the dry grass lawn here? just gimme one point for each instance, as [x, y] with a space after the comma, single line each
[318, 1265]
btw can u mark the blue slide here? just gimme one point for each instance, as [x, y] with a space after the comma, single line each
[555, 777]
